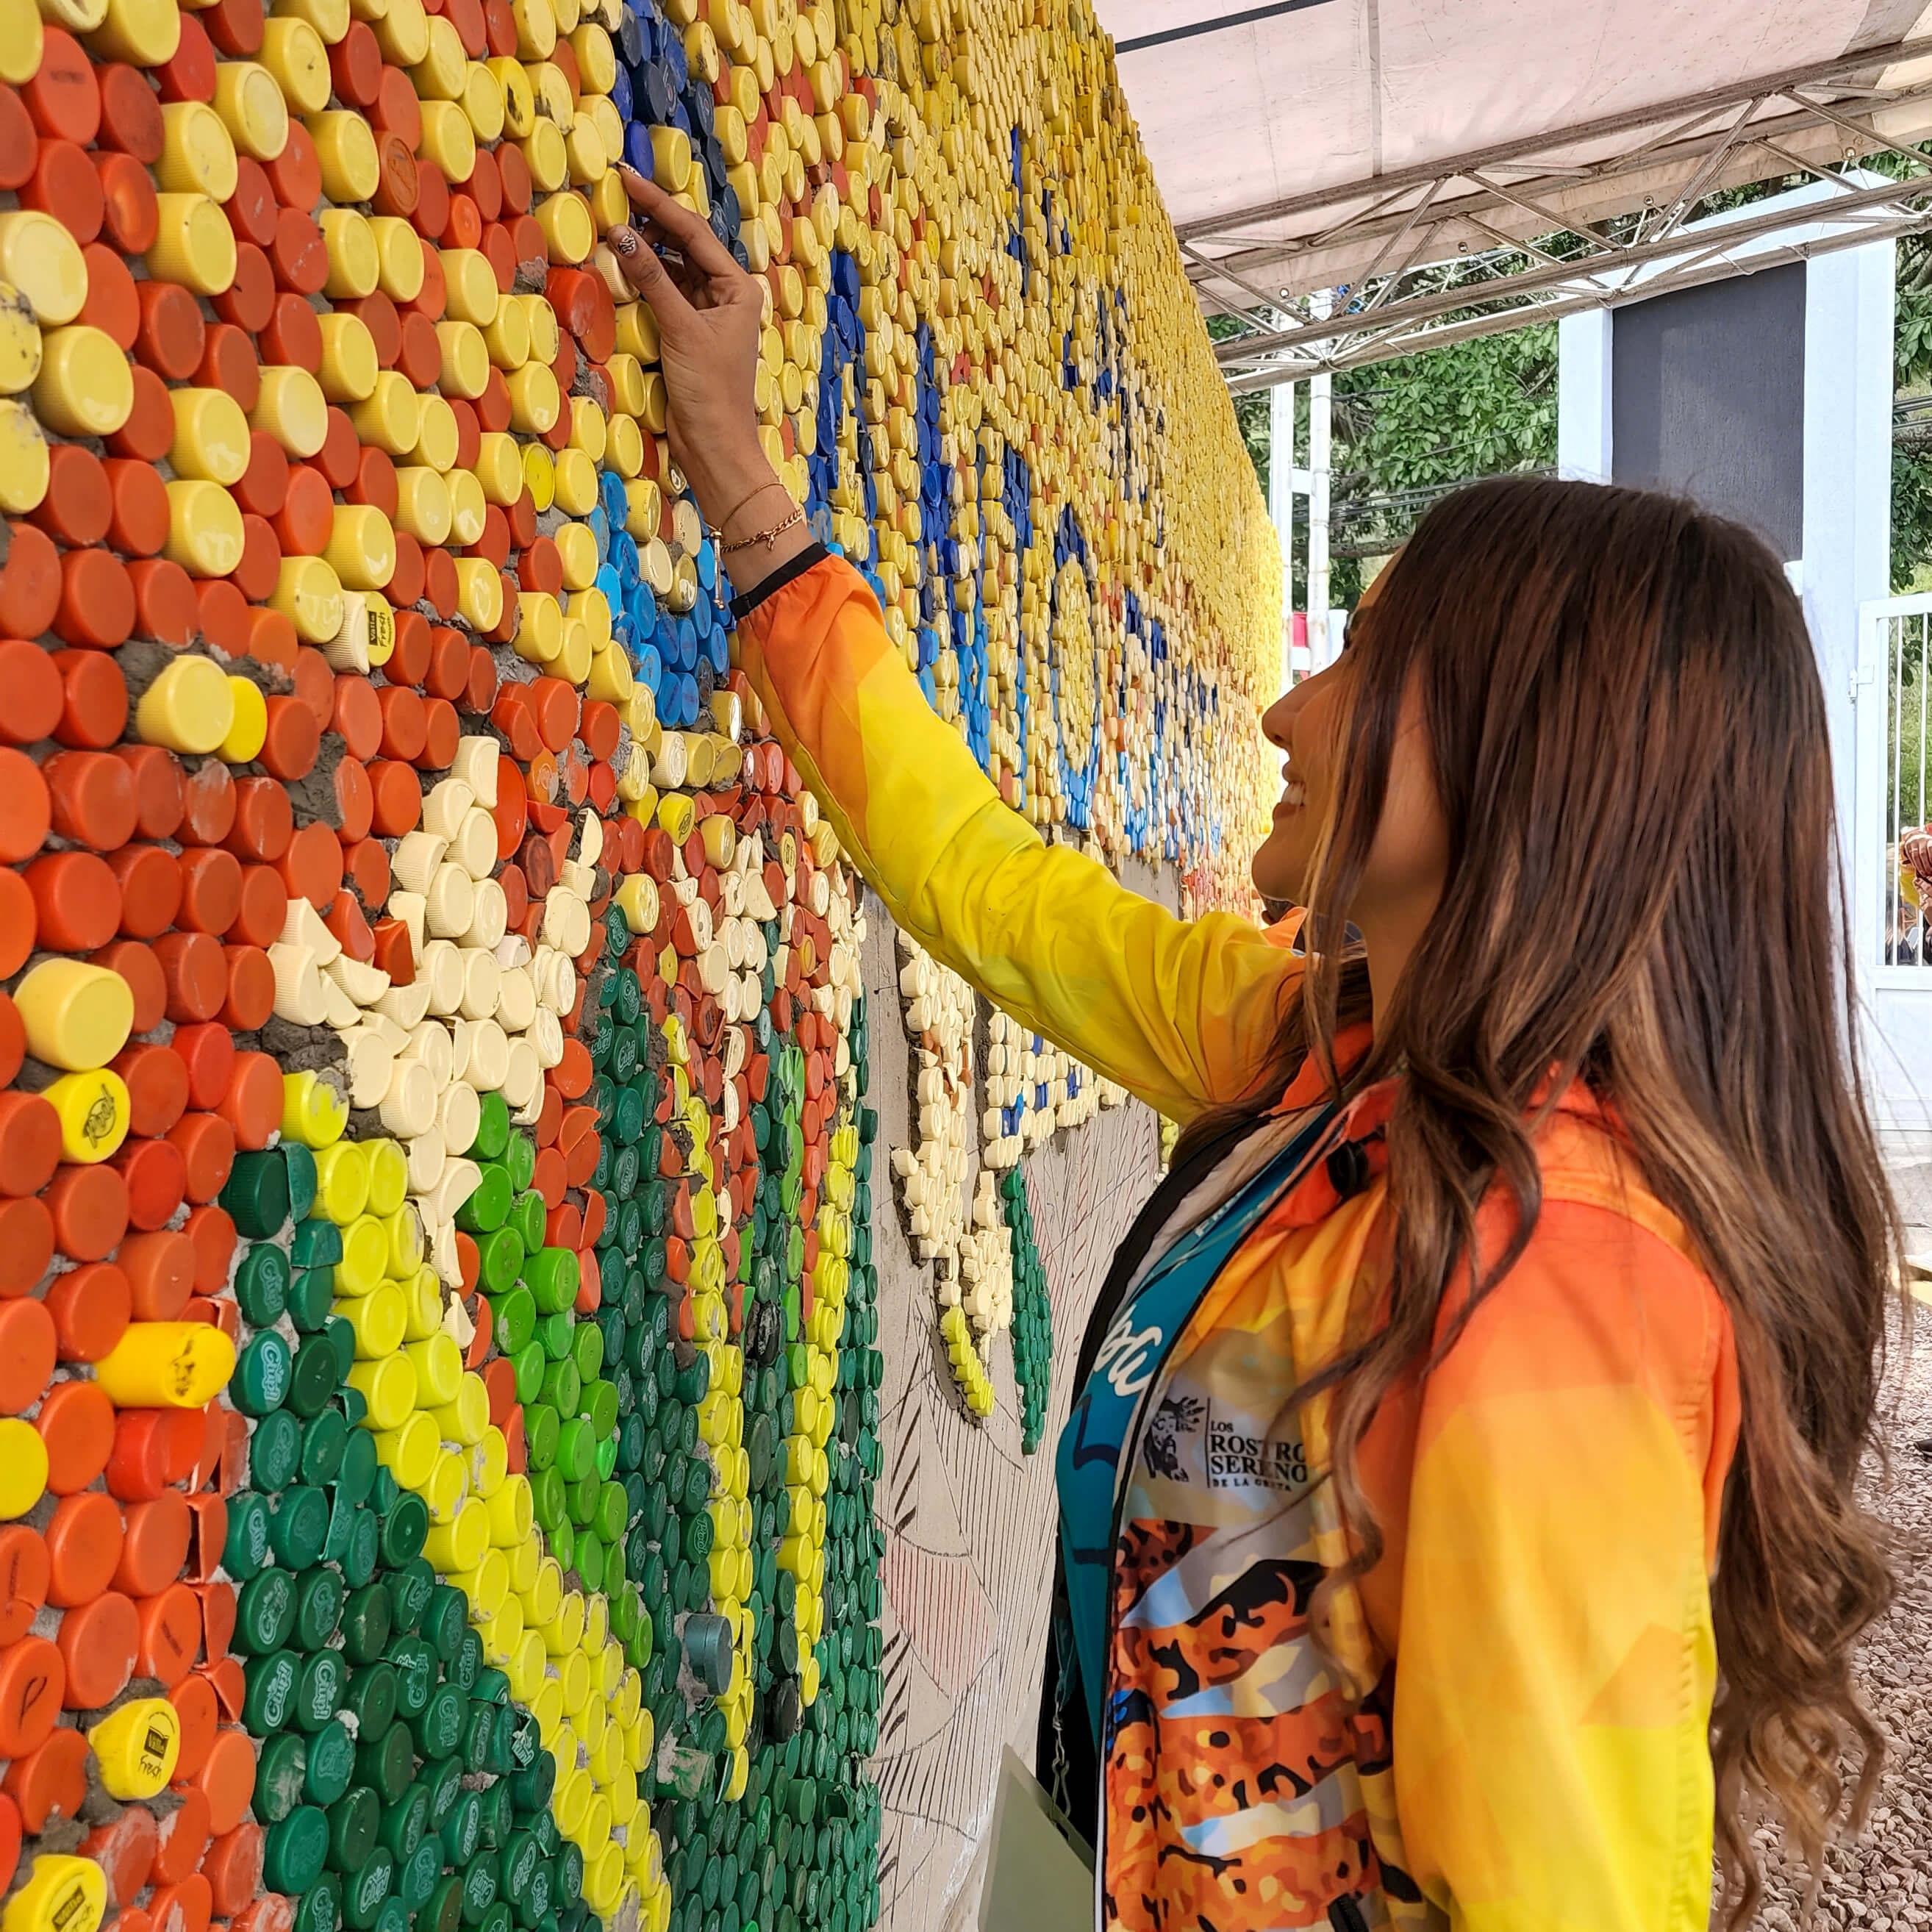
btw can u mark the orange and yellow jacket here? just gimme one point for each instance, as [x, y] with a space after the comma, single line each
[1506, 1729]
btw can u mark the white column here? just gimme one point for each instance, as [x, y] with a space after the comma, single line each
[1281, 505]
[1320, 424]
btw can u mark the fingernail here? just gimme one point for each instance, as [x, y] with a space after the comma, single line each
[625, 168]
[624, 241]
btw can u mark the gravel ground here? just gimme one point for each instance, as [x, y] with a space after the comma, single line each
[1882, 1882]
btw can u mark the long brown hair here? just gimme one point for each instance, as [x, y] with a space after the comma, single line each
[1628, 739]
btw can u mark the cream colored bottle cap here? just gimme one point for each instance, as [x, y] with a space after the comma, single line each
[422, 504]
[25, 466]
[292, 408]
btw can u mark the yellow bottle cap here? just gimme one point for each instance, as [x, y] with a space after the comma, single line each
[576, 482]
[403, 32]
[459, 1544]
[624, 450]
[295, 58]
[499, 468]
[422, 504]
[309, 594]
[391, 416]
[488, 1586]
[547, 155]
[437, 436]
[144, 33]
[25, 467]
[596, 57]
[329, 18]
[62, 1895]
[576, 551]
[507, 336]
[23, 1468]
[489, 1454]
[589, 427]
[204, 528]
[539, 476]
[444, 1488]
[610, 679]
[399, 258]
[136, 1747]
[466, 360]
[466, 507]
[409, 1451]
[76, 1016]
[250, 100]
[568, 228]
[365, 1251]
[346, 147]
[354, 265]
[535, 22]
[539, 633]
[19, 341]
[448, 139]
[389, 1178]
[439, 74]
[314, 1111]
[512, 1511]
[535, 399]
[470, 285]
[590, 160]
[86, 384]
[377, 1320]
[574, 659]
[342, 1193]
[194, 244]
[292, 408]
[389, 1388]
[670, 153]
[349, 364]
[482, 102]
[20, 35]
[362, 547]
[197, 153]
[479, 593]
[250, 731]
[42, 261]
[438, 1367]
[211, 439]
[188, 708]
[166, 1365]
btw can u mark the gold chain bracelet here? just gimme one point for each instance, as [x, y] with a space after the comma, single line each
[767, 537]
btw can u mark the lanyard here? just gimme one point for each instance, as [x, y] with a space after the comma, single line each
[1101, 1432]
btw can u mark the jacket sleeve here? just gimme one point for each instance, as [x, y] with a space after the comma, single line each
[1182, 1012]
[1556, 1662]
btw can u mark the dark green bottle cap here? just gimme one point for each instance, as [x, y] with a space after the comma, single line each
[357, 1475]
[530, 1788]
[311, 1295]
[445, 1619]
[366, 1889]
[331, 1764]
[567, 1883]
[256, 1194]
[259, 1384]
[409, 1589]
[265, 1612]
[405, 1524]
[269, 1692]
[479, 1890]
[296, 1850]
[385, 1761]
[262, 1285]
[316, 1376]
[384, 1491]
[502, 1744]
[281, 1774]
[394, 1914]
[461, 1829]
[442, 1912]
[317, 1244]
[370, 1698]
[352, 1819]
[405, 1822]
[299, 1526]
[421, 1872]
[443, 1780]
[520, 1161]
[543, 1827]
[319, 1909]
[466, 1666]
[275, 1452]
[318, 1607]
[324, 1442]
[342, 1340]
[362, 1549]
[318, 1691]
[415, 1663]
[368, 1618]
[298, 1164]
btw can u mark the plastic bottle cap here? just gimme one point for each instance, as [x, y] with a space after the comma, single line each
[350, 365]
[206, 536]
[211, 440]
[197, 153]
[362, 547]
[293, 52]
[166, 1365]
[194, 244]
[137, 1747]
[253, 108]
[76, 1015]
[345, 149]
[291, 407]
[61, 1894]
[190, 707]
[43, 262]
[85, 387]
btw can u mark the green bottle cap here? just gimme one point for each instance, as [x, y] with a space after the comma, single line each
[324, 1442]
[547, 1499]
[366, 1890]
[587, 1351]
[384, 1762]
[405, 1524]
[527, 1367]
[492, 1128]
[370, 1698]
[318, 1691]
[479, 1890]
[530, 1218]
[256, 1194]
[414, 1664]
[592, 1561]
[281, 1774]
[580, 1500]
[540, 1434]
[442, 1912]
[262, 1285]
[576, 1450]
[421, 1872]
[268, 1691]
[462, 1829]
[317, 1606]
[331, 1764]
[551, 1275]
[612, 1516]
[405, 1822]
[520, 1161]
[368, 1618]
[489, 1203]
[260, 1382]
[499, 1260]
[563, 1544]
[296, 1850]
[352, 1819]
[444, 1781]
[317, 1244]
[601, 1410]
[299, 1526]
[445, 1617]
[311, 1295]
[274, 1451]
[562, 1387]
[410, 1588]
[316, 1377]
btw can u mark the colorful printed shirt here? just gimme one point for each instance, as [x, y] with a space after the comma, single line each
[1506, 1728]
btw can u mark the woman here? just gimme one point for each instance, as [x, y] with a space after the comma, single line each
[1457, 1508]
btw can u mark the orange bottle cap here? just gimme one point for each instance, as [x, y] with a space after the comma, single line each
[98, 1638]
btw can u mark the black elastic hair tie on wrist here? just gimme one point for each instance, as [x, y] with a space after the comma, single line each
[746, 602]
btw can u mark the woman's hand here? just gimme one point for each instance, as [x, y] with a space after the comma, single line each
[709, 313]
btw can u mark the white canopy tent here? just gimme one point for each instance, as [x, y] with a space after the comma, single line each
[1356, 146]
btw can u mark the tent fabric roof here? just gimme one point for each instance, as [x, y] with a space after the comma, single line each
[1271, 126]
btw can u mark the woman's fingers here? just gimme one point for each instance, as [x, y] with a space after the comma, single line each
[700, 247]
[649, 276]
